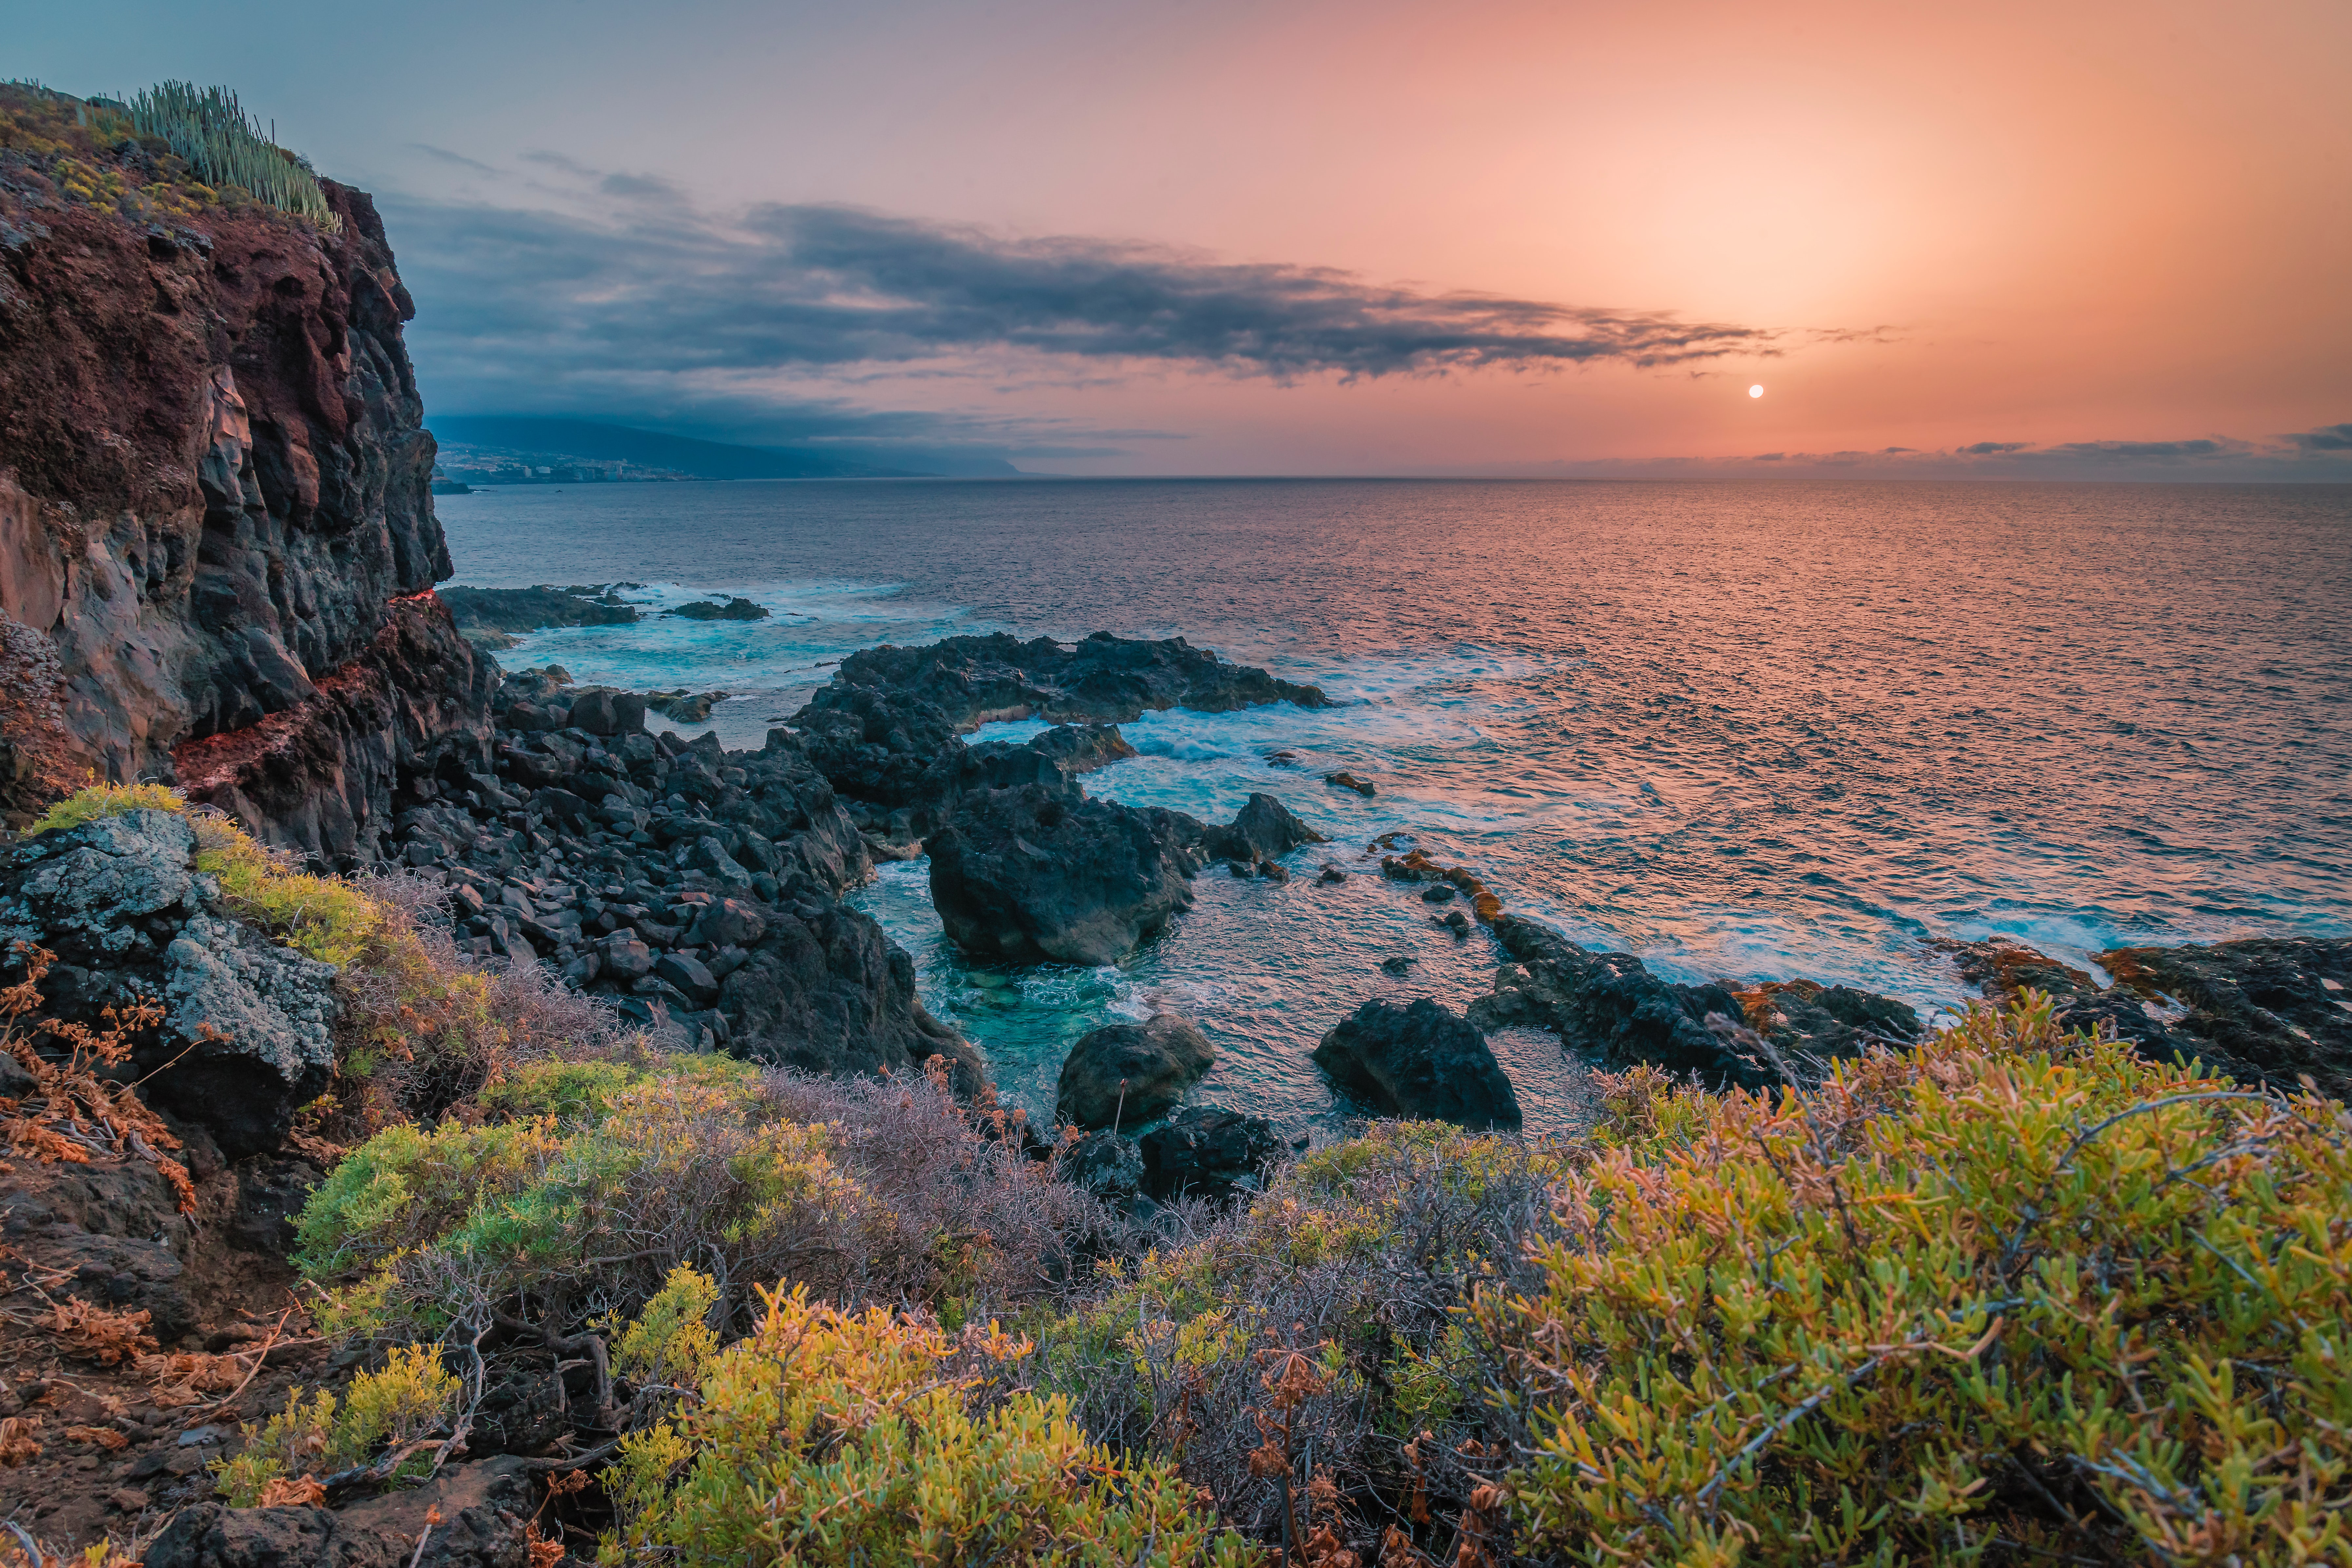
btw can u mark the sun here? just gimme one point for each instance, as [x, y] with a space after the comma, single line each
[1756, 391]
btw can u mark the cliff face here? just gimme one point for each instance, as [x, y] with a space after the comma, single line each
[215, 504]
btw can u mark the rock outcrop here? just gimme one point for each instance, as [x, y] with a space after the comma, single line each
[1611, 1005]
[1128, 1074]
[698, 889]
[248, 1031]
[1419, 1061]
[469, 1515]
[2266, 1010]
[214, 490]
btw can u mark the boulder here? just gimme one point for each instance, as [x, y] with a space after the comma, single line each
[1419, 1061]
[727, 922]
[1265, 830]
[1128, 1074]
[1611, 1005]
[1105, 1164]
[1208, 1151]
[247, 1024]
[825, 991]
[1038, 875]
[256, 1024]
[481, 1508]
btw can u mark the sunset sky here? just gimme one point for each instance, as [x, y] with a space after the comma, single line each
[1211, 238]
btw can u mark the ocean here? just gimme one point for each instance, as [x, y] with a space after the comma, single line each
[1749, 731]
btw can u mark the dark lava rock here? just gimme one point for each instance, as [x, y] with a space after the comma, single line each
[1439, 893]
[119, 903]
[1104, 679]
[824, 990]
[535, 609]
[2267, 1010]
[734, 609]
[1208, 1151]
[1036, 875]
[1265, 831]
[482, 1509]
[2002, 969]
[1129, 1074]
[1420, 1061]
[1825, 1020]
[1332, 873]
[1610, 1004]
[1349, 781]
[1105, 1164]
[1397, 965]
[688, 707]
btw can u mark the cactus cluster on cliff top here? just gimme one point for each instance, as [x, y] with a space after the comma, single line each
[210, 129]
[171, 152]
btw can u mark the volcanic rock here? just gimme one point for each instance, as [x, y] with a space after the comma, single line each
[214, 504]
[536, 609]
[1611, 1005]
[1422, 1061]
[1105, 1164]
[2269, 1010]
[247, 1024]
[1208, 1151]
[1036, 875]
[480, 1510]
[1130, 1073]
[1825, 1020]
[734, 609]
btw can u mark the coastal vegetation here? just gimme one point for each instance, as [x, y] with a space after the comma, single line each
[2013, 1293]
[173, 151]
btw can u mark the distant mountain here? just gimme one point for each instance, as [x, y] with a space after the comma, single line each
[586, 440]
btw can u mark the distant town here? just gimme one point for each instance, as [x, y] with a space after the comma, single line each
[463, 466]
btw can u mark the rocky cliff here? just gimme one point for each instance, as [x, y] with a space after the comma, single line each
[214, 499]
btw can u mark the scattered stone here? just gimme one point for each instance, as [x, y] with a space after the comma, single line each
[1332, 873]
[128, 1500]
[1397, 965]
[1349, 781]
[1128, 1074]
[1419, 1061]
[1457, 923]
[1442, 893]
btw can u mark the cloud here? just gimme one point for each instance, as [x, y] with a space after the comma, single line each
[625, 302]
[2327, 438]
[2324, 455]
[2122, 451]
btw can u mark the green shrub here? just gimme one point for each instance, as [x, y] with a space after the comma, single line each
[94, 801]
[833, 1436]
[399, 1405]
[585, 1216]
[2012, 1296]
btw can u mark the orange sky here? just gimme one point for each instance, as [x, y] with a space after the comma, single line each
[2076, 221]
